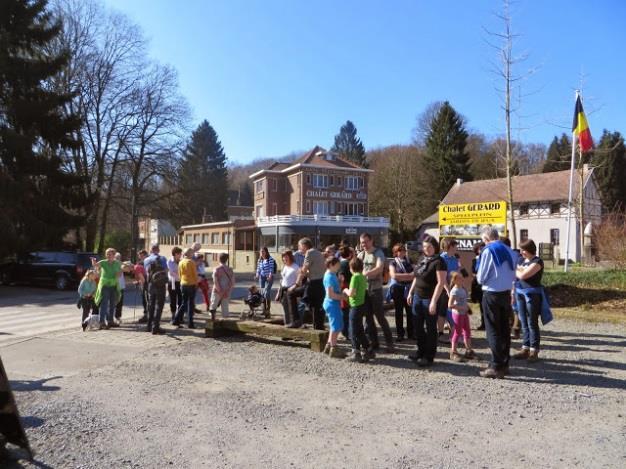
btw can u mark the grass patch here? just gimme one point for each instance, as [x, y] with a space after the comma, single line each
[590, 315]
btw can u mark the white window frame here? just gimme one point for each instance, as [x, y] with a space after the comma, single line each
[320, 181]
[353, 183]
[215, 238]
[259, 186]
[320, 207]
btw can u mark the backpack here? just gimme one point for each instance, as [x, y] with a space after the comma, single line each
[158, 274]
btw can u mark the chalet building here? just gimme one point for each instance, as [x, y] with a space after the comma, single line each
[320, 196]
[540, 207]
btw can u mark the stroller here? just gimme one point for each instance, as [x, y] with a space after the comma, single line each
[254, 300]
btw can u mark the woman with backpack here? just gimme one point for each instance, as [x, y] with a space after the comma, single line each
[265, 270]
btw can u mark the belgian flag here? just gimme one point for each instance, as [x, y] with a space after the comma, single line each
[580, 128]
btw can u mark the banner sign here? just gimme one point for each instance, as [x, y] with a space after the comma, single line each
[466, 220]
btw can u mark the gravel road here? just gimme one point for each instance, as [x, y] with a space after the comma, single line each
[237, 403]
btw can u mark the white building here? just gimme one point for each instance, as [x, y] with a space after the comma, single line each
[540, 206]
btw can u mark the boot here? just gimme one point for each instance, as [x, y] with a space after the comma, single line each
[533, 355]
[523, 354]
[266, 309]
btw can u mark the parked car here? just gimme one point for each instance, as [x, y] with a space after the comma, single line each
[62, 269]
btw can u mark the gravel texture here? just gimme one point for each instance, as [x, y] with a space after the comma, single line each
[237, 403]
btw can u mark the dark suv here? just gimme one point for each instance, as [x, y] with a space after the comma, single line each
[59, 268]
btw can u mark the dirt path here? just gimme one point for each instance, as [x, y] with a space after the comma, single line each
[236, 403]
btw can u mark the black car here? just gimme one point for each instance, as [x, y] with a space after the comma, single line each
[62, 269]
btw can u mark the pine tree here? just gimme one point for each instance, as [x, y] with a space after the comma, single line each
[203, 178]
[348, 146]
[558, 157]
[38, 198]
[446, 157]
[609, 161]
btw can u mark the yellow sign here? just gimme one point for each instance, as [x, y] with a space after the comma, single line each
[466, 220]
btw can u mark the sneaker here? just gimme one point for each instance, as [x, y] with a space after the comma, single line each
[424, 362]
[336, 352]
[368, 355]
[533, 356]
[355, 357]
[457, 357]
[470, 354]
[491, 373]
[523, 354]
[327, 348]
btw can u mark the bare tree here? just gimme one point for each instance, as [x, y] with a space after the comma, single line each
[503, 69]
[107, 54]
[157, 128]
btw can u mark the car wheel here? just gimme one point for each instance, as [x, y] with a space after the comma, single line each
[61, 282]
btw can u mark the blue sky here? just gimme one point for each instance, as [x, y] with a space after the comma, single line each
[277, 76]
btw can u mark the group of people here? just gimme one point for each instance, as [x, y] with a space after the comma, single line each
[344, 287]
[181, 276]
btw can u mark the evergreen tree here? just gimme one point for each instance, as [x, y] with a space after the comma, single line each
[446, 157]
[38, 198]
[559, 155]
[609, 161]
[348, 146]
[203, 178]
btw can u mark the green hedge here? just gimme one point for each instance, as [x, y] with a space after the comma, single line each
[597, 278]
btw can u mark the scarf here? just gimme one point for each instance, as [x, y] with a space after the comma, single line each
[500, 253]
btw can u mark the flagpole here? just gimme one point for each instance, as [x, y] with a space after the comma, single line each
[569, 199]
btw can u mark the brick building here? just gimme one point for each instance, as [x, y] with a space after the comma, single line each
[319, 195]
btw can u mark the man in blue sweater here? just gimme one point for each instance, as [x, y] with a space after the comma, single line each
[496, 274]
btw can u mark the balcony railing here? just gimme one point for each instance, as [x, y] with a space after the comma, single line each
[321, 219]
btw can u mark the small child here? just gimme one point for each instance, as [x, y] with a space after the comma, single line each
[223, 283]
[332, 306]
[460, 309]
[356, 297]
[203, 283]
[86, 291]
[254, 299]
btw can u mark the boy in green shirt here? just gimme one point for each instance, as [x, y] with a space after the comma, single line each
[356, 298]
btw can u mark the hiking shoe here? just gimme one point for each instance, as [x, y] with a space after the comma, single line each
[355, 357]
[327, 348]
[157, 331]
[523, 354]
[142, 320]
[424, 362]
[457, 357]
[470, 354]
[336, 352]
[533, 356]
[368, 354]
[491, 373]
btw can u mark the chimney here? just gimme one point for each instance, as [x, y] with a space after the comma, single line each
[459, 181]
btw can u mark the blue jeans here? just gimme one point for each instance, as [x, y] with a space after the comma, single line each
[529, 320]
[107, 304]
[357, 332]
[425, 328]
[266, 286]
[187, 304]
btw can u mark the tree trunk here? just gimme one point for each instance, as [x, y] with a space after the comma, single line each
[509, 158]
